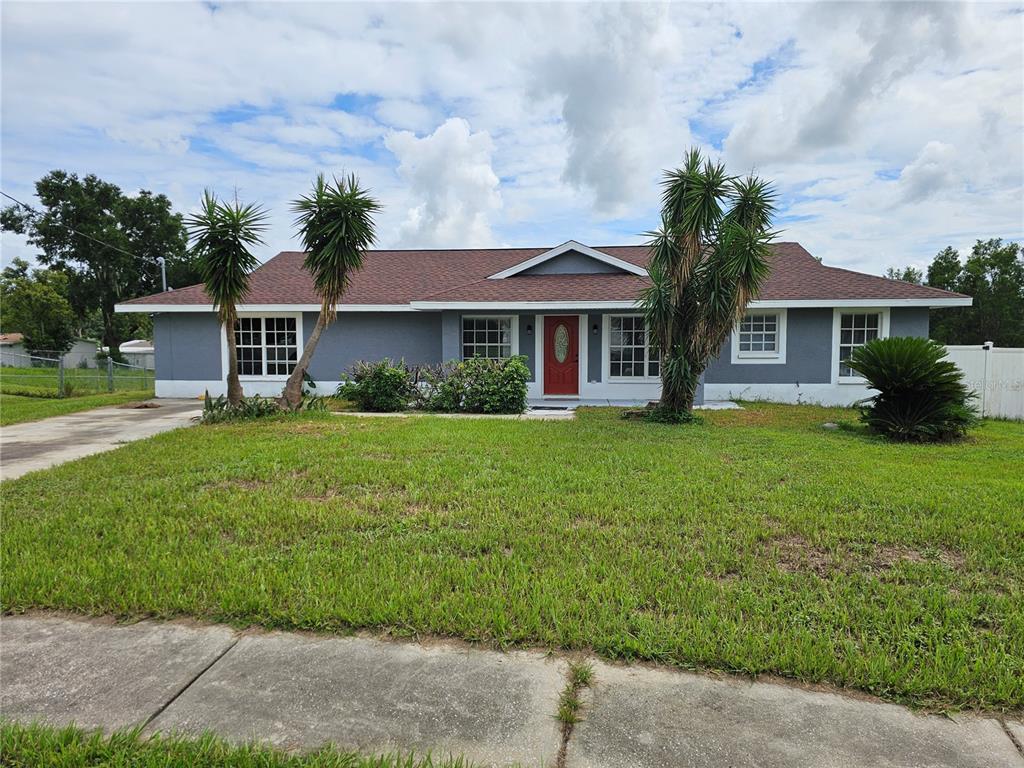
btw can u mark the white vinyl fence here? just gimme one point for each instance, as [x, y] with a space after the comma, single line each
[996, 374]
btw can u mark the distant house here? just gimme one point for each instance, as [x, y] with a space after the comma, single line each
[571, 311]
[138, 352]
[13, 352]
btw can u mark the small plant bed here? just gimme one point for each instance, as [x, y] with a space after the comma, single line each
[476, 385]
[756, 541]
[39, 745]
[15, 409]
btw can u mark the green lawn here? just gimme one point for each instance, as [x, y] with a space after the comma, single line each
[42, 381]
[15, 408]
[756, 542]
[24, 746]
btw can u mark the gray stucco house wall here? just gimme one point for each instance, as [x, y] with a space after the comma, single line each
[189, 346]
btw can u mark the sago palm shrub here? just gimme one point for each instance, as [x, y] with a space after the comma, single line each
[921, 396]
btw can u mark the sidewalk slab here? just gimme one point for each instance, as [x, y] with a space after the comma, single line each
[297, 691]
[95, 674]
[648, 718]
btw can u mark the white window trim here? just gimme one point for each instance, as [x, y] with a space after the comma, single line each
[300, 342]
[513, 325]
[778, 357]
[606, 353]
[837, 313]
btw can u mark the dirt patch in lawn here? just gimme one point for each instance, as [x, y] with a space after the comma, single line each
[795, 554]
[889, 556]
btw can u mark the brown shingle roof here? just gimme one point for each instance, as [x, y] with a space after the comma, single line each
[401, 277]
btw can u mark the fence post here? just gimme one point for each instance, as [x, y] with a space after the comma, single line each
[60, 376]
[987, 346]
[110, 374]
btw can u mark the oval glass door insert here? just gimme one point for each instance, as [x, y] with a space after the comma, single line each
[561, 343]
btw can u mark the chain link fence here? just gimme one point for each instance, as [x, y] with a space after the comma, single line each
[45, 376]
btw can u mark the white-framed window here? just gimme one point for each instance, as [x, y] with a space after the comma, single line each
[854, 328]
[267, 346]
[491, 337]
[631, 355]
[760, 337]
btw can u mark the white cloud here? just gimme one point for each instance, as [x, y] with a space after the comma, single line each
[452, 185]
[890, 129]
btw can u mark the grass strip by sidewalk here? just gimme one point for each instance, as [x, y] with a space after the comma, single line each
[15, 409]
[756, 542]
[32, 746]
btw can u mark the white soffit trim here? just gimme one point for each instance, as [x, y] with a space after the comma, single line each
[953, 301]
[417, 306]
[565, 247]
[510, 305]
[257, 308]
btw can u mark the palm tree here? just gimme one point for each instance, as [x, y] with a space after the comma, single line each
[708, 260]
[221, 235]
[336, 224]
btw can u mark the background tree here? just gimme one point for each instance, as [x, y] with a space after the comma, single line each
[994, 276]
[36, 306]
[106, 242]
[336, 224]
[221, 235]
[708, 260]
[907, 275]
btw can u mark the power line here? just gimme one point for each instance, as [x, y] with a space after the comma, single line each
[34, 212]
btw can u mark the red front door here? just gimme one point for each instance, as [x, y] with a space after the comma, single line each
[562, 355]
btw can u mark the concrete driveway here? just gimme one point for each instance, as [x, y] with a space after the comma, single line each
[41, 444]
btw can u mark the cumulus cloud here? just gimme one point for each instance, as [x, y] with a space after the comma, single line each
[452, 185]
[889, 129]
[931, 171]
[608, 88]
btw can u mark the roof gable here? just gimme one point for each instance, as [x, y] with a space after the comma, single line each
[534, 264]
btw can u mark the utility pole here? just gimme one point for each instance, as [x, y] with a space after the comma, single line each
[163, 270]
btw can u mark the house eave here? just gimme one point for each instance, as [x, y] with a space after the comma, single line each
[437, 306]
[262, 308]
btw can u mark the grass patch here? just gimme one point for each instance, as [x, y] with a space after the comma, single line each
[16, 408]
[755, 542]
[42, 381]
[35, 745]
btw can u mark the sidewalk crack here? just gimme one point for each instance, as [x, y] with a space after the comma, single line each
[570, 705]
[163, 708]
[1013, 739]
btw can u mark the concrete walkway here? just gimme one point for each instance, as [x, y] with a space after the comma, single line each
[41, 444]
[299, 691]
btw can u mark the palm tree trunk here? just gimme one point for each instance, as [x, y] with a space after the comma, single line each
[234, 385]
[292, 395]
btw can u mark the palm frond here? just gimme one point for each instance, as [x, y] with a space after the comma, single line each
[221, 235]
[335, 222]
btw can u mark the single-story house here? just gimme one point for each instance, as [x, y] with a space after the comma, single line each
[570, 310]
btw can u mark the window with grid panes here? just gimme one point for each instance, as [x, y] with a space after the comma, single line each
[630, 353]
[267, 346]
[489, 337]
[758, 335]
[855, 330]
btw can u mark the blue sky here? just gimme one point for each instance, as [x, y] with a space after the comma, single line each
[890, 130]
